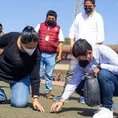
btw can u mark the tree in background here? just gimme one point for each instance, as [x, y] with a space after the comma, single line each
[66, 41]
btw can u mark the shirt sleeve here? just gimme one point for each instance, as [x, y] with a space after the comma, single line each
[111, 57]
[34, 76]
[61, 37]
[5, 40]
[37, 28]
[100, 30]
[72, 84]
[73, 28]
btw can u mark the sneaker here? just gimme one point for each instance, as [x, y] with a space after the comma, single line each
[58, 98]
[103, 113]
[49, 96]
[114, 107]
[82, 100]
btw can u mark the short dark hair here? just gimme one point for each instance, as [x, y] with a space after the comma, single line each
[0, 25]
[51, 13]
[28, 35]
[80, 48]
[92, 1]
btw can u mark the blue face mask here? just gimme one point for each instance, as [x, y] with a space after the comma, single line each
[83, 63]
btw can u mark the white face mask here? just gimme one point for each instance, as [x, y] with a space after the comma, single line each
[29, 51]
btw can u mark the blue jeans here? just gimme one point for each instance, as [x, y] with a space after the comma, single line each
[109, 87]
[47, 60]
[20, 92]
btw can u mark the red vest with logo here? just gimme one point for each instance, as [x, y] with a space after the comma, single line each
[48, 38]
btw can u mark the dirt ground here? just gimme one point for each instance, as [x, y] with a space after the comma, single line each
[71, 109]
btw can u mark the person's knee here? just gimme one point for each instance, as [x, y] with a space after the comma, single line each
[19, 103]
[103, 75]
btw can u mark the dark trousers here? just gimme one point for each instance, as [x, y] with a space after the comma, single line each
[108, 86]
[80, 88]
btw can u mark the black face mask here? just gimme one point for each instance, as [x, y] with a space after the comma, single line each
[88, 10]
[83, 63]
[50, 23]
[0, 30]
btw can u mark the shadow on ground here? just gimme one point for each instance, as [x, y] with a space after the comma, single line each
[71, 109]
[82, 111]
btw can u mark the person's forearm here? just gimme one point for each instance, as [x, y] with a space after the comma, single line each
[62, 100]
[69, 90]
[2, 33]
[60, 48]
[35, 89]
[1, 50]
[71, 42]
[35, 97]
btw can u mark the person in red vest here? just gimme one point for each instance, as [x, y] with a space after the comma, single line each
[50, 40]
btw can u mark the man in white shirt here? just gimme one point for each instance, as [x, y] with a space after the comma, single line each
[106, 72]
[87, 25]
[50, 40]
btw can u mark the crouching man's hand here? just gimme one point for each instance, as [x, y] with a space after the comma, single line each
[37, 105]
[56, 107]
[96, 71]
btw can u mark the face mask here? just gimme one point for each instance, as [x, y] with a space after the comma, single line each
[83, 63]
[88, 10]
[29, 51]
[0, 30]
[50, 23]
